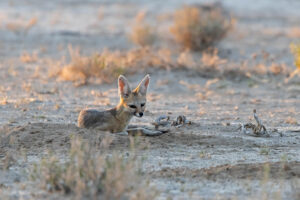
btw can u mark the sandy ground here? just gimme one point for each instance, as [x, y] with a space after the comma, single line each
[209, 159]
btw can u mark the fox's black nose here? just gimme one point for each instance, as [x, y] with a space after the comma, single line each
[141, 114]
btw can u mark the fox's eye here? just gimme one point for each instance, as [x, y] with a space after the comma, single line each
[143, 104]
[132, 106]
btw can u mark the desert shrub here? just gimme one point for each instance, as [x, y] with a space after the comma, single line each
[21, 26]
[29, 58]
[198, 27]
[107, 65]
[295, 48]
[142, 33]
[104, 66]
[92, 173]
[277, 69]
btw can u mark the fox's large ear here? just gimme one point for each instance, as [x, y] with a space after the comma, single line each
[143, 86]
[124, 87]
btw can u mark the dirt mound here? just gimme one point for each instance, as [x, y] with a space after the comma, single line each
[37, 137]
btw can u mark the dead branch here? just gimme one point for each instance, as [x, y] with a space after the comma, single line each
[258, 130]
[164, 121]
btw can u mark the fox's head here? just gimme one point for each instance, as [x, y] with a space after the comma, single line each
[133, 101]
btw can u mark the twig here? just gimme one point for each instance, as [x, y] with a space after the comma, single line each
[165, 121]
[258, 130]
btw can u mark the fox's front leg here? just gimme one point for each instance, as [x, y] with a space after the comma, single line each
[144, 132]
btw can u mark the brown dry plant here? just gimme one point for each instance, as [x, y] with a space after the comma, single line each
[142, 33]
[291, 120]
[295, 49]
[22, 26]
[107, 65]
[198, 27]
[277, 69]
[29, 58]
[93, 173]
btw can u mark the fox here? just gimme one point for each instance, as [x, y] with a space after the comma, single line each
[116, 120]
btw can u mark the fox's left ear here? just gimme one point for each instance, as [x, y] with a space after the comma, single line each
[143, 86]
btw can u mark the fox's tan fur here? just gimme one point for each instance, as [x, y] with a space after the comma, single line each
[116, 120]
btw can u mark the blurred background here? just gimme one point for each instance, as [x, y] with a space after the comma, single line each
[48, 27]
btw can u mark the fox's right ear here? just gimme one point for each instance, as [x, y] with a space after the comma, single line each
[124, 87]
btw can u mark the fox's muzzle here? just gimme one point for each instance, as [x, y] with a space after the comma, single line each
[140, 114]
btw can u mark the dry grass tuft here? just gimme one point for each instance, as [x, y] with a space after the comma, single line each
[198, 27]
[277, 69]
[3, 100]
[27, 58]
[296, 51]
[105, 66]
[22, 26]
[109, 64]
[8, 161]
[212, 60]
[142, 33]
[291, 120]
[93, 173]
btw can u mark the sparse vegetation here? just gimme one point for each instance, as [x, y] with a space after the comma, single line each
[204, 154]
[7, 161]
[295, 49]
[22, 26]
[29, 58]
[264, 151]
[277, 69]
[3, 101]
[204, 26]
[198, 27]
[291, 120]
[91, 173]
[105, 66]
[142, 33]
[109, 64]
